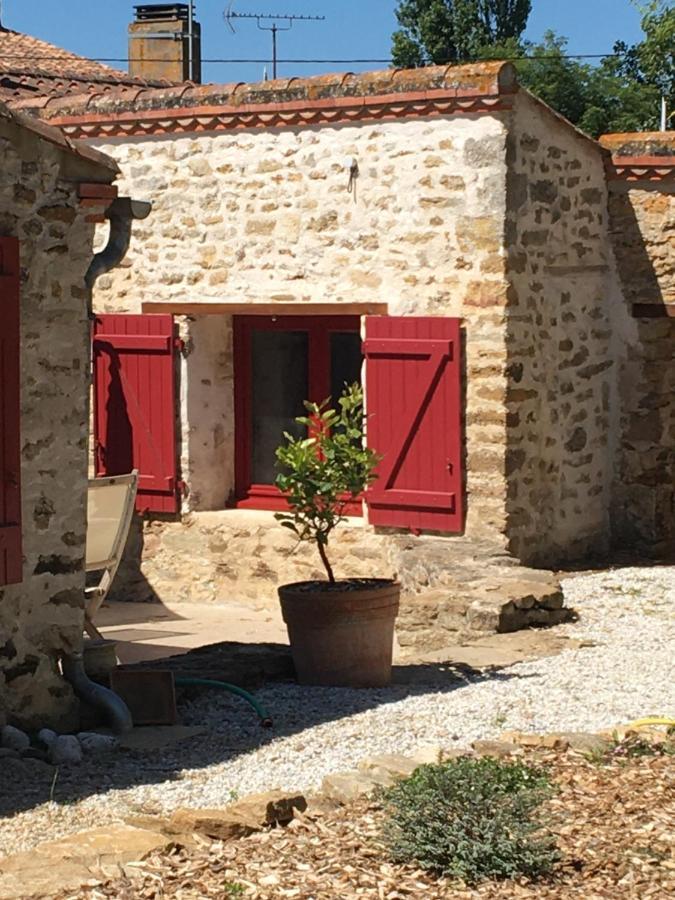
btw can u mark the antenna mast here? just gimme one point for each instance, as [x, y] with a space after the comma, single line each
[274, 28]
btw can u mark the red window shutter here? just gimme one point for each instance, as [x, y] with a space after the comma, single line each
[134, 405]
[11, 560]
[413, 395]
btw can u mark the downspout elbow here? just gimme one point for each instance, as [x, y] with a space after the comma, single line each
[115, 709]
[121, 213]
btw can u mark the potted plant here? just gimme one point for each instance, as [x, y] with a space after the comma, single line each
[341, 630]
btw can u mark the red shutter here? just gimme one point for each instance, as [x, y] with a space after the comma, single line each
[413, 395]
[11, 560]
[134, 397]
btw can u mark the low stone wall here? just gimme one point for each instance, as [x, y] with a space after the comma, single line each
[452, 587]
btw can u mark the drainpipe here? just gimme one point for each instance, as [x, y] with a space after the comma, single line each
[96, 695]
[121, 214]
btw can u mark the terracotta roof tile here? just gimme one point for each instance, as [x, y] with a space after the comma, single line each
[477, 79]
[641, 143]
[30, 67]
[56, 136]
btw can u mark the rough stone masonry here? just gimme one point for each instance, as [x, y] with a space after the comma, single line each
[473, 200]
[42, 617]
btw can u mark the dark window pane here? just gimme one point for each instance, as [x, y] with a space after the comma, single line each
[279, 374]
[345, 361]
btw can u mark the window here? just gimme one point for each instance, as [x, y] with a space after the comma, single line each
[280, 363]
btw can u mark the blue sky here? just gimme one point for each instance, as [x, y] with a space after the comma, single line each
[353, 28]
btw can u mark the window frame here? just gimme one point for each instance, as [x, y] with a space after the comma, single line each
[248, 495]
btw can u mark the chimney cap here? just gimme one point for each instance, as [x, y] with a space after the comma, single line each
[154, 12]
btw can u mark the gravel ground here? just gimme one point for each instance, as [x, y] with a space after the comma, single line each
[627, 671]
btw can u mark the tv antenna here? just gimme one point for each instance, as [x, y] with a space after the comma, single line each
[229, 15]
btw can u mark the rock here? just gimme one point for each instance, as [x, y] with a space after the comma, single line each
[14, 739]
[428, 754]
[498, 749]
[584, 742]
[393, 766]
[65, 751]
[94, 743]
[71, 862]
[239, 819]
[535, 741]
[345, 787]
[270, 808]
[47, 736]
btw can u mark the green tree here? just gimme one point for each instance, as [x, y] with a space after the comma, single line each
[434, 32]
[622, 93]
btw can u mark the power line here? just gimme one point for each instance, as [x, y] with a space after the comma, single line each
[388, 61]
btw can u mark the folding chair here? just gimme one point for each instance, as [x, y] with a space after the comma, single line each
[110, 509]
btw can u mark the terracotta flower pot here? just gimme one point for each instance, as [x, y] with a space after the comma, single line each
[342, 634]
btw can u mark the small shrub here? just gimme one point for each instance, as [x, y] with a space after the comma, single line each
[471, 819]
[233, 889]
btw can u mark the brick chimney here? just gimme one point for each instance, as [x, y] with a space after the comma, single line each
[159, 43]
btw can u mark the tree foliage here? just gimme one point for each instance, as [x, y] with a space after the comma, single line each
[622, 93]
[443, 31]
[322, 473]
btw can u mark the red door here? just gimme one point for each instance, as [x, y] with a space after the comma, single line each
[11, 560]
[134, 405]
[414, 402]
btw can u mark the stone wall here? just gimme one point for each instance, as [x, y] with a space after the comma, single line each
[42, 617]
[643, 232]
[500, 219]
[266, 215]
[565, 319]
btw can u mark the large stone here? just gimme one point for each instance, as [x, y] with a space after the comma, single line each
[65, 751]
[14, 739]
[69, 863]
[346, 787]
[239, 819]
[536, 741]
[393, 765]
[499, 749]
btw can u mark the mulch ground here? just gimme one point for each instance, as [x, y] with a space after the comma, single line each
[614, 824]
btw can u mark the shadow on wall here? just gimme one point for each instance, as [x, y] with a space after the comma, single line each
[232, 731]
[564, 325]
[643, 509]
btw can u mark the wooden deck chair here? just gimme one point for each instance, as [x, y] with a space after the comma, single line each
[110, 509]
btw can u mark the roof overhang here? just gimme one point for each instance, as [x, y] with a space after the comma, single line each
[321, 100]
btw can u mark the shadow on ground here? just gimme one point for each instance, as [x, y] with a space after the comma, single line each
[228, 726]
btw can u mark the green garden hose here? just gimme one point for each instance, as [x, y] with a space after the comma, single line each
[265, 718]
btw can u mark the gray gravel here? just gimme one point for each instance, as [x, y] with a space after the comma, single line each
[626, 672]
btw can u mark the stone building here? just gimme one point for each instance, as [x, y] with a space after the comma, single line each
[52, 193]
[642, 217]
[445, 193]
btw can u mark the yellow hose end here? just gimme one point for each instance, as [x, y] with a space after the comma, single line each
[652, 720]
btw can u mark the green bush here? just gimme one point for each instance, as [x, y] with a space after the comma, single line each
[471, 819]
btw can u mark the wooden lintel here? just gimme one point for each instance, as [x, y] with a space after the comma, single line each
[216, 308]
[654, 310]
